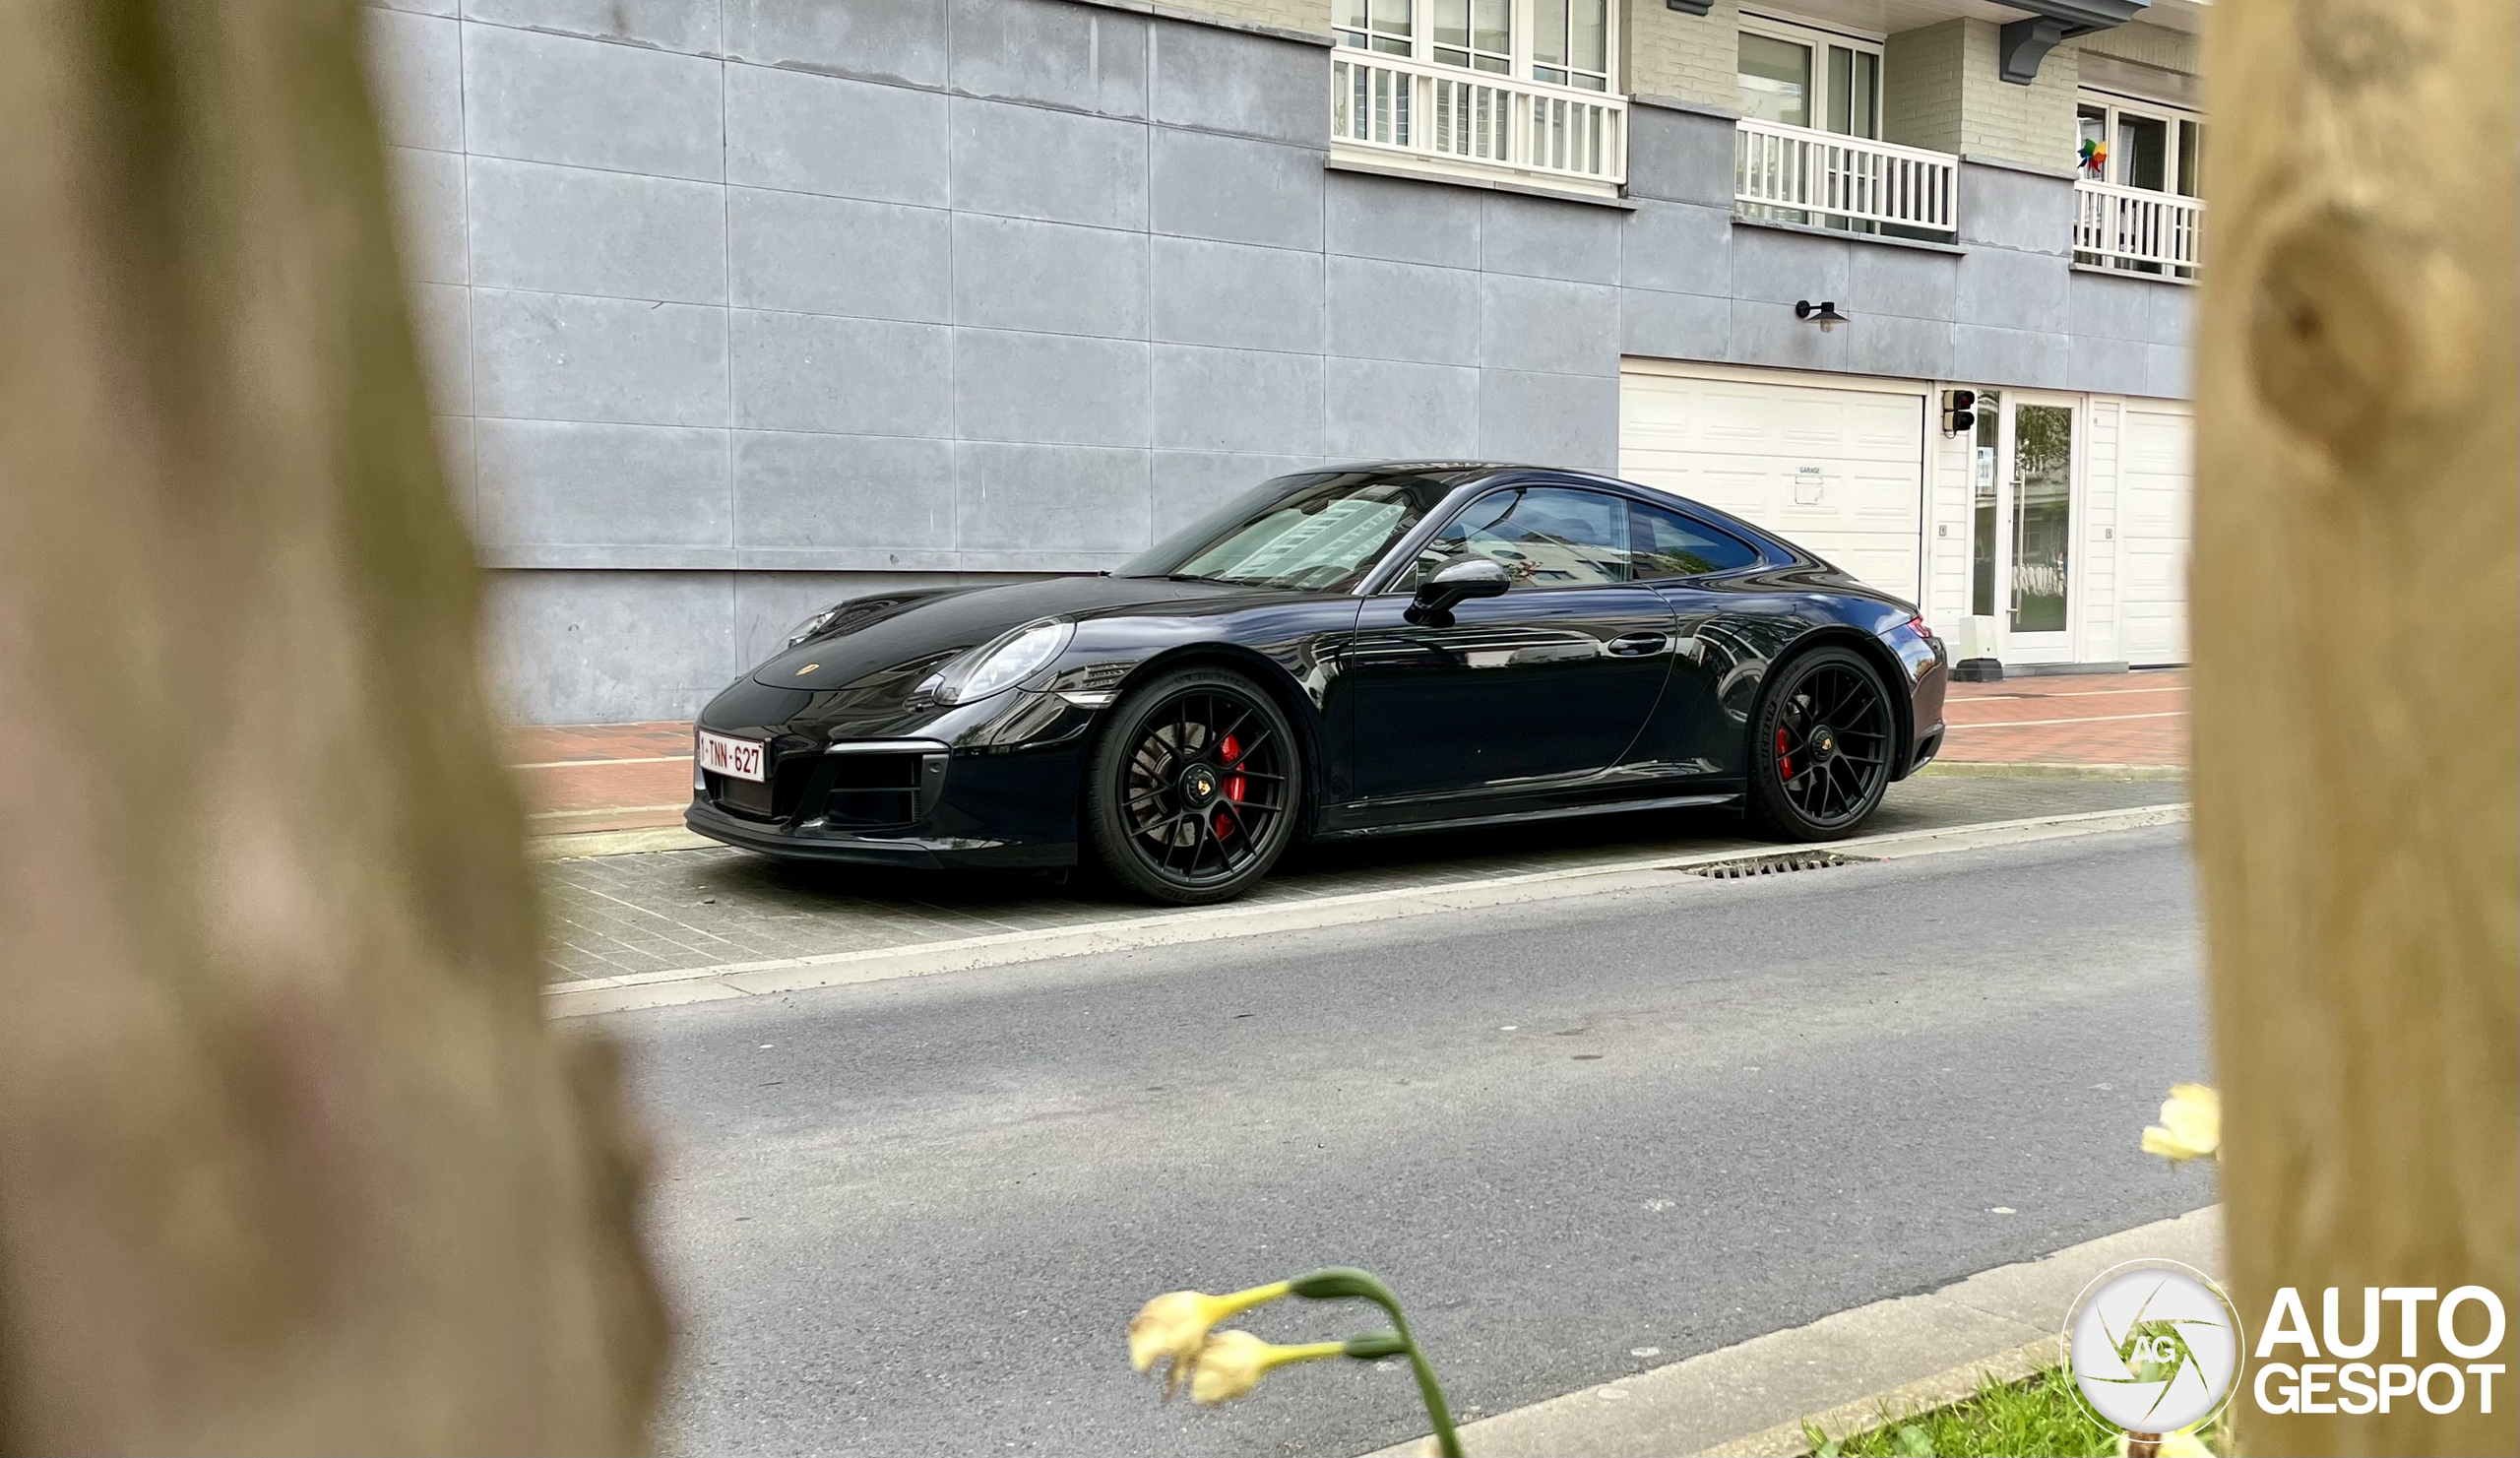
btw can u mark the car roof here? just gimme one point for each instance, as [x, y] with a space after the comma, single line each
[1465, 472]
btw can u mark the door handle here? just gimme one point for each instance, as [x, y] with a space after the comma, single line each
[1636, 644]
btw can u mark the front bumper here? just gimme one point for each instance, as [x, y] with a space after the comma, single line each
[907, 852]
[940, 808]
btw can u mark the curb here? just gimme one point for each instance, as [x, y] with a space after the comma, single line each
[587, 996]
[1750, 1400]
[1943, 1389]
[2046, 770]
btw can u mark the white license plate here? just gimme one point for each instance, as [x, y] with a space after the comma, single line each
[739, 758]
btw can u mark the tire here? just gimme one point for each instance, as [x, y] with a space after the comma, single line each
[1193, 789]
[1820, 746]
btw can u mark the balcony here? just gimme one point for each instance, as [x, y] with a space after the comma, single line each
[1838, 181]
[1470, 122]
[2138, 230]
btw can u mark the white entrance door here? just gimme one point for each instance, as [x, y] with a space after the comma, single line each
[1836, 470]
[2154, 492]
[2038, 500]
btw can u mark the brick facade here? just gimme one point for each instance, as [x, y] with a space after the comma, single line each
[1940, 89]
[2150, 45]
[1687, 57]
[2032, 124]
[1921, 82]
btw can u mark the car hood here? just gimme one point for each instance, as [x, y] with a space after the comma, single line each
[893, 634]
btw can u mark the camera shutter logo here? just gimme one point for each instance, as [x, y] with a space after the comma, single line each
[2154, 1346]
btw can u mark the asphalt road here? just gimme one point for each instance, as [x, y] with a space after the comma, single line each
[914, 1217]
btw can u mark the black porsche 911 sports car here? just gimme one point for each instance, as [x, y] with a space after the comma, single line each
[1359, 651]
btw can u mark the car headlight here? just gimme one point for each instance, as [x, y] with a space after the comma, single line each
[814, 626]
[1003, 664]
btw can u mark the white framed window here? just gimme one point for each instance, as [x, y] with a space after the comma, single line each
[1375, 25]
[2135, 142]
[1802, 76]
[1477, 33]
[1558, 42]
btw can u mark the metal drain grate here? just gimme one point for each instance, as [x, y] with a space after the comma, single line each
[1770, 866]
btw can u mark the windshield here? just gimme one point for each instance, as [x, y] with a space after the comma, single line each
[1318, 532]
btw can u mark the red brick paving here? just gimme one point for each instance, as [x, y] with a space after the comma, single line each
[583, 777]
[588, 777]
[2138, 719]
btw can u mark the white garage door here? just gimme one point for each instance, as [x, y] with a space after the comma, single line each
[1838, 470]
[2155, 487]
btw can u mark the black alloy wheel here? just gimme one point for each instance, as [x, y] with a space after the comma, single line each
[1191, 790]
[1820, 746]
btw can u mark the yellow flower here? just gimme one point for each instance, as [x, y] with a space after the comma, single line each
[2191, 1127]
[1233, 1363]
[1173, 1327]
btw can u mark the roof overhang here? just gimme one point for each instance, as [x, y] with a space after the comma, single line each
[2024, 43]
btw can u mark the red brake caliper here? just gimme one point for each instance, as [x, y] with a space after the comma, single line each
[1784, 761]
[1234, 784]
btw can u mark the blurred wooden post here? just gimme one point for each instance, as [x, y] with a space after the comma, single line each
[289, 1157]
[2357, 592]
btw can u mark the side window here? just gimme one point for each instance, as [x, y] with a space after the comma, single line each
[1544, 536]
[1668, 544]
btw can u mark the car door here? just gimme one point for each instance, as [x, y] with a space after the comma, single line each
[1547, 683]
[1703, 572]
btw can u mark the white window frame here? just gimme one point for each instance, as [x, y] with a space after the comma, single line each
[1523, 20]
[1819, 38]
[2112, 105]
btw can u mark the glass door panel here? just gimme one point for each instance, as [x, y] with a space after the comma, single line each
[2191, 159]
[2143, 153]
[1855, 92]
[2042, 517]
[1982, 512]
[1774, 80]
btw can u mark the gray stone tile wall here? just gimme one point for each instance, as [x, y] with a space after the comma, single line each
[735, 306]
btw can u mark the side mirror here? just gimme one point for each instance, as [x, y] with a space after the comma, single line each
[1479, 577]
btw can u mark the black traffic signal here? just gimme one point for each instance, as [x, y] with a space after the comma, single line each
[1959, 410]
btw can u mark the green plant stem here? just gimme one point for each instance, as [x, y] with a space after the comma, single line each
[1447, 1441]
[1343, 1282]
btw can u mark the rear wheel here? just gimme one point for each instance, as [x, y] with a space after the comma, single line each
[1820, 746]
[1191, 791]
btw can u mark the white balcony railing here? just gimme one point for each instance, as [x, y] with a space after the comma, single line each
[1835, 179]
[1424, 110]
[2129, 227]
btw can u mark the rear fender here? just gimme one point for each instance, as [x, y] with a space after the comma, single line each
[1894, 678]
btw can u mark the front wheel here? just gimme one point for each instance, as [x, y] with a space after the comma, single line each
[1191, 791]
[1820, 746]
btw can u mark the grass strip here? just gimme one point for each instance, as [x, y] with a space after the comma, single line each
[2041, 1416]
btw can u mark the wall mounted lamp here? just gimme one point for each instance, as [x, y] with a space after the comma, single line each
[1824, 313]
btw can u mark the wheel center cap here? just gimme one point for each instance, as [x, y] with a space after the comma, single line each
[1824, 743]
[1199, 784]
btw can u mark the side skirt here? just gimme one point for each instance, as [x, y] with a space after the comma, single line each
[1525, 817]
